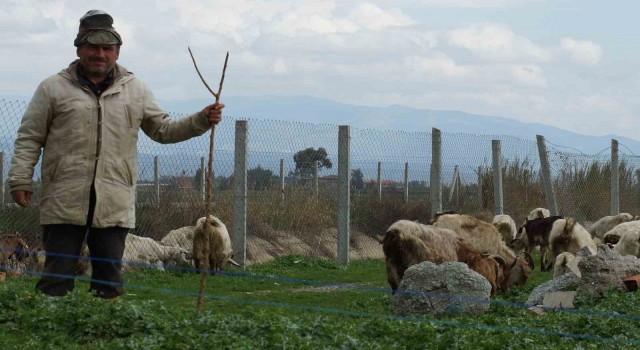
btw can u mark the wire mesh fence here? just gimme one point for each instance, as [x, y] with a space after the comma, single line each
[292, 183]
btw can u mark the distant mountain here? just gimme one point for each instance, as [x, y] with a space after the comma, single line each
[322, 111]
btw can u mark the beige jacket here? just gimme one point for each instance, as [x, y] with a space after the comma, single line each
[85, 138]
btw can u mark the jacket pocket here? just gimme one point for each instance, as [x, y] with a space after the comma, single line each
[130, 114]
[53, 171]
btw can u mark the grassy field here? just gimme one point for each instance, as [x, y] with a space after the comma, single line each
[296, 303]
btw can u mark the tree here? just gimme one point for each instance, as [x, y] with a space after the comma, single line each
[260, 179]
[306, 158]
[357, 179]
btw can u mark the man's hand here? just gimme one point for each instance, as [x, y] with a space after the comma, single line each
[23, 198]
[213, 113]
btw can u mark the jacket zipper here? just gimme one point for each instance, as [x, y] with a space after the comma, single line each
[99, 135]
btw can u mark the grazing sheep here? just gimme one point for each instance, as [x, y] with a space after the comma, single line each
[535, 233]
[567, 235]
[629, 243]
[538, 213]
[181, 237]
[613, 235]
[485, 238]
[218, 252]
[599, 228]
[560, 267]
[407, 243]
[145, 251]
[506, 226]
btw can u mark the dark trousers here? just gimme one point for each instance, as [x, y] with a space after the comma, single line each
[63, 245]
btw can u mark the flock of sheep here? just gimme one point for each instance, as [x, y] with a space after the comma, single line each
[175, 250]
[500, 251]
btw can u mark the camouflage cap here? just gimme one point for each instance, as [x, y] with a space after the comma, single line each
[96, 27]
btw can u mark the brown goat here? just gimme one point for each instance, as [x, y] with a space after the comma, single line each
[12, 246]
[408, 243]
[485, 238]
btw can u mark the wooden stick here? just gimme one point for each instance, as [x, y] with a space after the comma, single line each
[204, 272]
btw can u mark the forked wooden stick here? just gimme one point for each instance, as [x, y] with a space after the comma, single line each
[204, 272]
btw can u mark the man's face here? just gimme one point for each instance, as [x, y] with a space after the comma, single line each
[98, 60]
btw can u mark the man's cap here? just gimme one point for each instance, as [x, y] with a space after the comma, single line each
[96, 27]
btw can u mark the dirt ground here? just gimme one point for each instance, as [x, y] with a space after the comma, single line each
[320, 245]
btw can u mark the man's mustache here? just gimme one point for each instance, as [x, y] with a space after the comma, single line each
[97, 59]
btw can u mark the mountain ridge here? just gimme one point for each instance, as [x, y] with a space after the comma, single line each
[315, 110]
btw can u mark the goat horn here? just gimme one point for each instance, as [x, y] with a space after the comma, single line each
[234, 263]
[529, 259]
[501, 260]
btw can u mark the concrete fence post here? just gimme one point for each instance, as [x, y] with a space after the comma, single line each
[315, 179]
[3, 190]
[497, 177]
[406, 182]
[344, 199]
[156, 180]
[436, 172]
[545, 173]
[282, 180]
[480, 199]
[239, 236]
[615, 179]
[379, 181]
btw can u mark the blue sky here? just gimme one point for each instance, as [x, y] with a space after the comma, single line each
[570, 64]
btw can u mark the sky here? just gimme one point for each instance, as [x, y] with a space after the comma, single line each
[573, 64]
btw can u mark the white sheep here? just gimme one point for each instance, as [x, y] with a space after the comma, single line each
[613, 236]
[181, 237]
[605, 224]
[629, 243]
[506, 226]
[218, 252]
[147, 252]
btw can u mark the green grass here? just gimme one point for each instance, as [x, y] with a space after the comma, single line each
[289, 303]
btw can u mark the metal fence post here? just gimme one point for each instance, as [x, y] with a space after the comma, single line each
[282, 180]
[239, 238]
[545, 172]
[344, 181]
[379, 181]
[436, 172]
[615, 179]
[497, 177]
[406, 182]
[156, 180]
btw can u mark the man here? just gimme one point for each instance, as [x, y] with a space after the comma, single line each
[86, 119]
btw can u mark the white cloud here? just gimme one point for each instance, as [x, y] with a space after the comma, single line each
[434, 67]
[529, 75]
[597, 103]
[372, 17]
[496, 42]
[585, 52]
[431, 53]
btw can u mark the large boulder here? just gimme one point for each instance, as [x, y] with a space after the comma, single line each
[450, 288]
[597, 274]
